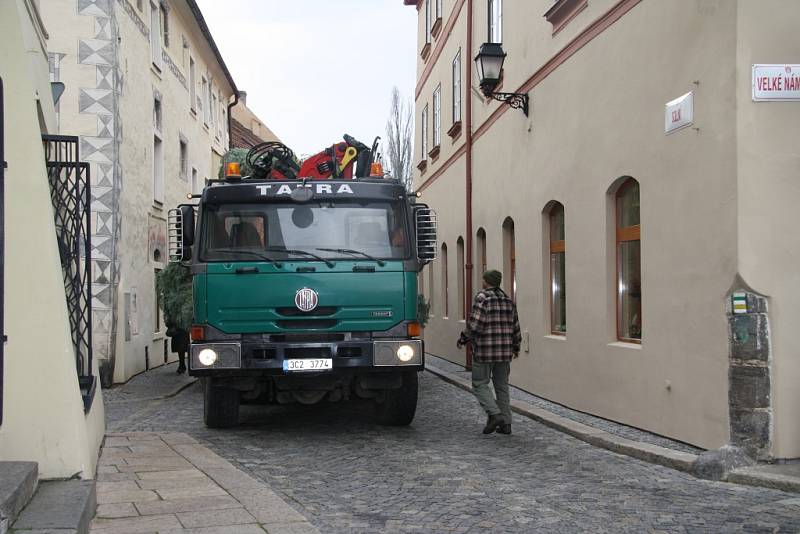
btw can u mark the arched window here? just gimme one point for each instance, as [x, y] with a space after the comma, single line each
[481, 259]
[445, 282]
[462, 309]
[509, 259]
[629, 268]
[558, 279]
[431, 288]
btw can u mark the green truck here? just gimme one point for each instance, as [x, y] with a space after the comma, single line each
[305, 290]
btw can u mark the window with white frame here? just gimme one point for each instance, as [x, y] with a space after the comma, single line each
[192, 85]
[495, 21]
[457, 87]
[437, 116]
[427, 21]
[424, 132]
[204, 97]
[438, 9]
[162, 7]
[155, 34]
[158, 154]
[214, 111]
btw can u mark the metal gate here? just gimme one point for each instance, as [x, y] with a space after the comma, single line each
[69, 192]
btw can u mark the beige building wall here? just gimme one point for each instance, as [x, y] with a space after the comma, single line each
[43, 419]
[117, 84]
[597, 93]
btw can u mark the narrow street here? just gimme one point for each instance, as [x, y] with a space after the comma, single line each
[333, 465]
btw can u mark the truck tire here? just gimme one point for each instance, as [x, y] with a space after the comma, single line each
[398, 406]
[220, 405]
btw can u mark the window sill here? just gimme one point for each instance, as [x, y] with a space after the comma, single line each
[436, 28]
[455, 130]
[626, 345]
[426, 51]
[434, 153]
[563, 11]
[422, 165]
[156, 69]
[193, 113]
[557, 337]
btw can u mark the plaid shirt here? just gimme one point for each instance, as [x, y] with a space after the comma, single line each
[493, 327]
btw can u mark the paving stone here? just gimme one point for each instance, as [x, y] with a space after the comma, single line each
[111, 511]
[183, 493]
[234, 529]
[112, 497]
[215, 518]
[193, 504]
[178, 474]
[122, 485]
[134, 525]
[170, 484]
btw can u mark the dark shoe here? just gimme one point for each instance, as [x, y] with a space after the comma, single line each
[505, 428]
[493, 423]
[181, 370]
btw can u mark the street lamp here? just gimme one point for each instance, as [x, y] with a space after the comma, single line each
[489, 63]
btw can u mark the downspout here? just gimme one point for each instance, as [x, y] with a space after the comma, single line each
[230, 117]
[468, 127]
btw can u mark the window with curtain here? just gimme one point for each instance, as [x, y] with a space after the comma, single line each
[509, 259]
[495, 21]
[558, 285]
[629, 268]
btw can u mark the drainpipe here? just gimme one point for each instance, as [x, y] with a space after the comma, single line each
[230, 117]
[468, 127]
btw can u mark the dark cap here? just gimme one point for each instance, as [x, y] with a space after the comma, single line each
[493, 277]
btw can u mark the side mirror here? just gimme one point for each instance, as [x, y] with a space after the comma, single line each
[425, 219]
[180, 231]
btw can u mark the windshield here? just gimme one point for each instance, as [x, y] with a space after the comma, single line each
[282, 231]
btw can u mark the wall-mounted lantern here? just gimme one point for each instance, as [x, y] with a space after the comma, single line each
[489, 63]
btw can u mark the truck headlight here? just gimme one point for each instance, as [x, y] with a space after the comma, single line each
[207, 357]
[405, 353]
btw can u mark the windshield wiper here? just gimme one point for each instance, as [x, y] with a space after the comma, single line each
[353, 252]
[328, 262]
[251, 252]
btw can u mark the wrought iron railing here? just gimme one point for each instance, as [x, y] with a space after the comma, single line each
[69, 192]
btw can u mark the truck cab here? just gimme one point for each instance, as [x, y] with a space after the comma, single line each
[305, 291]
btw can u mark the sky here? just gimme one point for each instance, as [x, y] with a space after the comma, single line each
[314, 70]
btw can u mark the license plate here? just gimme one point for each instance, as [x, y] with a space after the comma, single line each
[308, 364]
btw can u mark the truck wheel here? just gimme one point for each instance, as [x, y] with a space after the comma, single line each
[220, 405]
[398, 406]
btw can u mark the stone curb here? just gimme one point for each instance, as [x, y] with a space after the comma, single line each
[752, 477]
[171, 393]
[647, 452]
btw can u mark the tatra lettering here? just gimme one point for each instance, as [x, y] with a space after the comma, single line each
[344, 188]
[284, 190]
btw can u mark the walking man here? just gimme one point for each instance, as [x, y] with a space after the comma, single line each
[493, 329]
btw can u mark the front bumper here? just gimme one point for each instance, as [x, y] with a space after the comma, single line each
[247, 358]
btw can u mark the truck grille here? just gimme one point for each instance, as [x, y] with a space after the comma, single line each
[322, 311]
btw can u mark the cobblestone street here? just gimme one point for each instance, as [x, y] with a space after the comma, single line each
[346, 474]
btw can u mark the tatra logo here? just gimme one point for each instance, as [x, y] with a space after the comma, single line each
[306, 299]
[320, 189]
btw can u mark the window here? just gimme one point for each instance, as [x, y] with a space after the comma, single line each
[164, 22]
[158, 154]
[629, 268]
[558, 287]
[192, 85]
[431, 292]
[439, 9]
[509, 259]
[204, 95]
[495, 21]
[445, 283]
[157, 314]
[481, 259]
[184, 162]
[437, 116]
[155, 35]
[427, 21]
[457, 87]
[195, 184]
[462, 309]
[424, 132]
[214, 111]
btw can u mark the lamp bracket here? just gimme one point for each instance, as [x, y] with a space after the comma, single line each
[515, 100]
